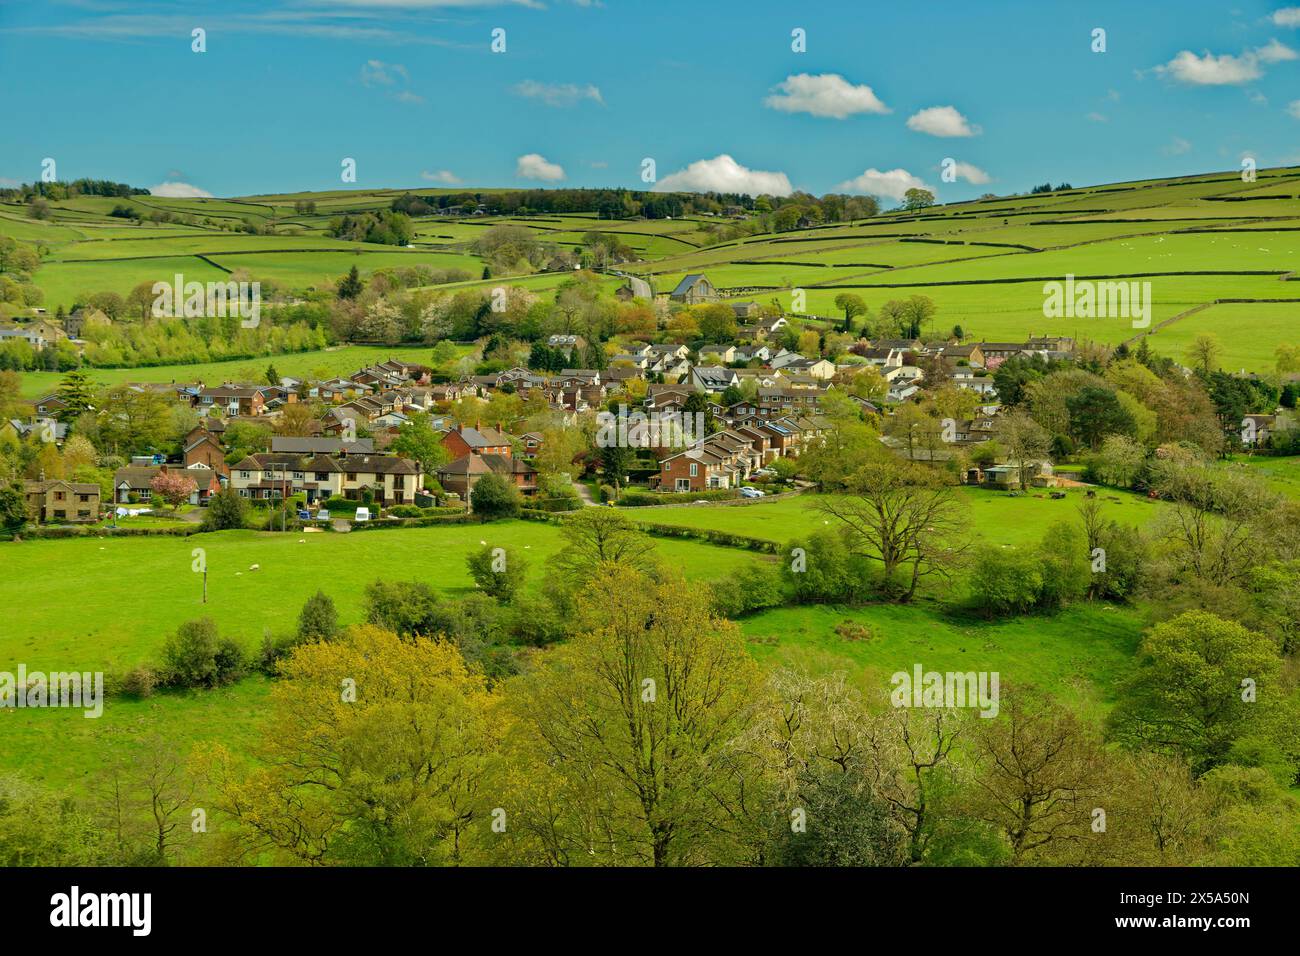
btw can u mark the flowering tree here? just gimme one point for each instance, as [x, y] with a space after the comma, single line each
[173, 488]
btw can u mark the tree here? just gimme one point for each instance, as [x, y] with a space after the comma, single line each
[1097, 413]
[173, 487]
[78, 393]
[500, 572]
[624, 741]
[717, 322]
[1202, 683]
[295, 420]
[417, 440]
[374, 754]
[596, 538]
[852, 306]
[1120, 461]
[493, 497]
[226, 510]
[1024, 440]
[1205, 352]
[406, 608]
[318, 620]
[906, 518]
[350, 286]
[916, 198]
[13, 508]
[1039, 772]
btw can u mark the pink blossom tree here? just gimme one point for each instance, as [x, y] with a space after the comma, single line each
[173, 488]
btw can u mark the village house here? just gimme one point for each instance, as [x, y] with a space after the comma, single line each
[56, 500]
[463, 440]
[392, 480]
[230, 400]
[460, 476]
[694, 289]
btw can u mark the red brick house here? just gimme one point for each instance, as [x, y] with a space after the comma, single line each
[478, 440]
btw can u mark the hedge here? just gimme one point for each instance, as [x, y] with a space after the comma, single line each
[641, 499]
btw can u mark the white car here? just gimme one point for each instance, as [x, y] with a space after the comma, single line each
[748, 492]
[363, 514]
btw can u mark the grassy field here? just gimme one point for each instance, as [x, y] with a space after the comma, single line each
[992, 516]
[1077, 654]
[99, 631]
[341, 360]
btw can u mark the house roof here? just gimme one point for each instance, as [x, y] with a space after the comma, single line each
[687, 282]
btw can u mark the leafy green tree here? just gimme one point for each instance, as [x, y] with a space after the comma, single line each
[500, 572]
[418, 440]
[78, 392]
[493, 497]
[1201, 683]
[407, 608]
[226, 510]
[318, 620]
[852, 306]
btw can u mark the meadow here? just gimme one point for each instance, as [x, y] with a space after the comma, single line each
[325, 363]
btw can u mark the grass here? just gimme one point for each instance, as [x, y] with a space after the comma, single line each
[991, 515]
[341, 360]
[98, 631]
[1079, 653]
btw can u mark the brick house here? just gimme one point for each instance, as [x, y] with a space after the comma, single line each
[478, 440]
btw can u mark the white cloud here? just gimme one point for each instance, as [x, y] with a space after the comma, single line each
[723, 174]
[1293, 108]
[942, 121]
[971, 173]
[379, 73]
[1225, 69]
[1098, 117]
[1178, 146]
[535, 166]
[179, 191]
[827, 94]
[1287, 17]
[444, 176]
[558, 94]
[1274, 52]
[893, 184]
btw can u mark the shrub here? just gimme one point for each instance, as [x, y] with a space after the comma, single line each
[403, 607]
[500, 572]
[231, 663]
[318, 620]
[1005, 580]
[139, 682]
[226, 510]
[1066, 568]
[406, 511]
[752, 588]
[493, 497]
[823, 570]
[190, 654]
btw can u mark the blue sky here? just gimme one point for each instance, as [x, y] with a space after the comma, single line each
[586, 90]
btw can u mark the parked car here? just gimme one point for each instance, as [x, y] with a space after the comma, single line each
[363, 514]
[766, 472]
[323, 514]
[750, 492]
[304, 514]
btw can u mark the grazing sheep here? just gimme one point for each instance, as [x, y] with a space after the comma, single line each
[254, 567]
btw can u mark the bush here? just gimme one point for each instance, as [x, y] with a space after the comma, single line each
[1066, 567]
[342, 505]
[226, 510]
[752, 588]
[196, 656]
[500, 572]
[493, 497]
[406, 511]
[822, 570]
[403, 607]
[637, 499]
[1005, 580]
[139, 682]
[318, 620]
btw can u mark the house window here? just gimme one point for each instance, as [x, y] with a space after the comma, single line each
[60, 513]
[322, 476]
[298, 475]
[695, 470]
[83, 498]
[243, 492]
[668, 466]
[58, 496]
[243, 474]
[83, 514]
